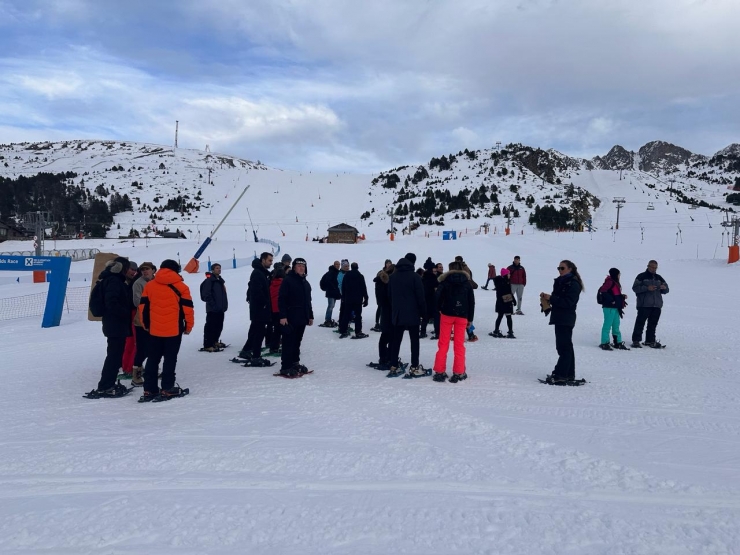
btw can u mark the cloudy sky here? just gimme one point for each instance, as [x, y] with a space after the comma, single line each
[365, 86]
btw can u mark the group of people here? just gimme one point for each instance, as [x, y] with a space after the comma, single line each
[146, 312]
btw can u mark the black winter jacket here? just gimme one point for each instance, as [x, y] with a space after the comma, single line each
[455, 295]
[383, 299]
[119, 305]
[294, 300]
[213, 293]
[430, 282]
[258, 294]
[330, 284]
[645, 298]
[354, 288]
[564, 298]
[407, 295]
[503, 287]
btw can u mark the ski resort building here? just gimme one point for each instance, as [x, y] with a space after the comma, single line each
[341, 233]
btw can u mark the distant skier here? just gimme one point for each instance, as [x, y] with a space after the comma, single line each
[407, 306]
[116, 301]
[505, 302]
[455, 301]
[296, 312]
[612, 302]
[147, 270]
[563, 302]
[166, 310]
[649, 287]
[518, 282]
[354, 298]
[213, 293]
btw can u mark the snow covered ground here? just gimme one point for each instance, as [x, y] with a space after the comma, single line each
[644, 459]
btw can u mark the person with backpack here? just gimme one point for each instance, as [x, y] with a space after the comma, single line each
[649, 287]
[112, 300]
[147, 270]
[562, 303]
[612, 302]
[166, 311]
[354, 298]
[505, 302]
[518, 280]
[260, 310]
[491, 275]
[296, 312]
[455, 302]
[213, 293]
[330, 285]
[407, 306]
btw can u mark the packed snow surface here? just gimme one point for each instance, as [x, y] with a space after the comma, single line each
[644, 459]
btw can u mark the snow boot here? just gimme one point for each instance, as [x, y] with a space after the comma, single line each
[440, 376]
[257, 363]
[343, 335]
[636, 345]
[417, 372]
[360, 336]
[654, 345]
[138, 376]
[472, 338]
[496, 333]
[376, 327]
[326, 324]
[396, 371]
[167, 394]
[458, 377]
[148, 397]
[118, 390]
[519, 313]
[620, 346]
[605, 347]
[555, 380]
[291, 372]
[510, 335]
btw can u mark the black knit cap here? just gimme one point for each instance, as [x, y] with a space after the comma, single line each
[170, 265]
[411, 257]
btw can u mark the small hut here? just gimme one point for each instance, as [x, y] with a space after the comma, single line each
[341, 233]
[9, 232]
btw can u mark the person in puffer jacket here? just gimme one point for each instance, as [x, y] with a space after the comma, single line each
[649, 287]
[612, 303]
[166, 312]
[213, 293]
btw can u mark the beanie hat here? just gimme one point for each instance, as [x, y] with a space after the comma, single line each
[147, 265]
[133, 266]
[299, 260]
[286, 259]
[344, 262]
[118, 265]
[505, 271]
[411, 257]
[428, 265]
[170, 265]
[614, 273]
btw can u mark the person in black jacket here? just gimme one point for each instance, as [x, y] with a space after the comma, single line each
[383, 299]
[213, 293]
[407, 306]
[563, 301]
[505, 302]
[354, 297]
[377, 327]
[296, 312]
[330, 284]
[117, 320]
[260, 311]
[430, 283]
[455, 301]
[649, 287]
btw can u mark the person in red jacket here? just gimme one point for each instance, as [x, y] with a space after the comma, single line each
[166, 311]
[276, 280]
[518, 276]
[491, 275]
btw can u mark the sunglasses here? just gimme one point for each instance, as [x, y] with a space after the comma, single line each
[561, 268]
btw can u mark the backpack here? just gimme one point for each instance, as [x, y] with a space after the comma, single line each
[600, 297]
[97, 300]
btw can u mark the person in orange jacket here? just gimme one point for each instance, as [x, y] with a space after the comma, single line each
[166, 312]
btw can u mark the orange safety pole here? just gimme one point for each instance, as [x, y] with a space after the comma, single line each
[733, 257]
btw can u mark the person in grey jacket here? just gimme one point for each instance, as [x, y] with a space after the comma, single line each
[649, 287]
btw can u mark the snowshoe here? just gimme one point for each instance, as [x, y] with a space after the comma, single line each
[654, 345]
[360, 336]
[385, 367]
[636, 345]
[440, 377]
[289, 373]
[434, 337]
[396, 371]
[376, 327]
[302, 370]
[554, 380]
[510, 335]
[422, 335]
[605, 347]
[417, 372]
[258, 363]
[172, 393]
[496, 333]
[326, 324]
[373, 364]
[343, 335]
[273, 354]
[239, 360]
[620, 346]
[118, 390]
[124, 376]
[458, 377]
[210, 350]
[519, 313]
[221, 345]
[148, 397]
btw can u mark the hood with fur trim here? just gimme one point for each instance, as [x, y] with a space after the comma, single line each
[452, 272]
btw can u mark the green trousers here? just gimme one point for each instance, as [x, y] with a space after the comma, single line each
[611, 322]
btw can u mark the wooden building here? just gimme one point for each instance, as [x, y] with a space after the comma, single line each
[341, 233]
[8, 232]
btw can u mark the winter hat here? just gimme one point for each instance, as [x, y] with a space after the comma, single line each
[505, 271]
[286, 259]
[118, 265]
[388, 260]
[614, 273]
[344, 262]
[170, 265]
[299, 260]
[149, 265]
[411, 257]
[133, 266]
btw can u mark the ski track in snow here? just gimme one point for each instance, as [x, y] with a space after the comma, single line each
[644, 459]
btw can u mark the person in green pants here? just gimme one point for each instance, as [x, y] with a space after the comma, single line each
[612, 301]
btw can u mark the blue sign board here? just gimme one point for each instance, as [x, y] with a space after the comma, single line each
[58, 268]
[449, 235]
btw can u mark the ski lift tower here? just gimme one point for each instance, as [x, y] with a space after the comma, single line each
[734, 223]
[619, 201]
[39, 221]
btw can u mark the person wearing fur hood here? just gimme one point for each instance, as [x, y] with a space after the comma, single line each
[383, 300]
[456, 305]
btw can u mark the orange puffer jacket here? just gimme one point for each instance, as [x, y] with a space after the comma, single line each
[164, 312]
